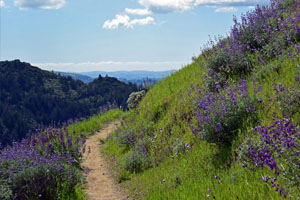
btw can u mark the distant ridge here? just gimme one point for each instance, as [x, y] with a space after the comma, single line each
[30, 96]
[76, 76]
[125, 76]
[131, 74]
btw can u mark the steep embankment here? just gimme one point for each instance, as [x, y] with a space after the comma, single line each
[224, 127]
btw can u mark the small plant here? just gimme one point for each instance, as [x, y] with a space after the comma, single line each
[260, 73]
[127, 137]
[136, 161]
[135, 98]
[288, 98]
[254, 141]
[178, 146]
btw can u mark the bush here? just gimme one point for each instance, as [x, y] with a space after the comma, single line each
[288, 99]
[253, 141]
[44, 182]
[260, 73]
[127, 137]
[135, 98]
[278, 150]
[223, 129]
[178, 146]
[136, 161]
[222, 114]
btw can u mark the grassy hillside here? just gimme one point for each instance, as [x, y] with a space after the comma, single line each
[224, 127]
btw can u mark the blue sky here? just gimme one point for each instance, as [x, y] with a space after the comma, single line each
[110, 35]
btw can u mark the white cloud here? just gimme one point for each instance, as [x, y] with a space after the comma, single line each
[2, 4]
[124, 20]
[144, 21]
[138, 11]
[226, 9]
[184, 5]
[115, 23]
[39, 4]
[111, 66]
[167, 5]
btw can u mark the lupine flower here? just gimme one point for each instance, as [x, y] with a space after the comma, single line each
[297, 77]
[187, 146]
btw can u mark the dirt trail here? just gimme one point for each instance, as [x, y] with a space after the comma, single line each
[100, 183]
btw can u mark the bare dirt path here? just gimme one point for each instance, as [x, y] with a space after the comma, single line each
[100, 183]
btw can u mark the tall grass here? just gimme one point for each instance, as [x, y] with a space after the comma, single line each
[94, 123]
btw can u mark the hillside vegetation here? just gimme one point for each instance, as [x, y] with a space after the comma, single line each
[47, 165]
[225, 126]
[30, 97]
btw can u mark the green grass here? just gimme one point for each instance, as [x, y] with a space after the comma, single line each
[191, 175]
[77, 195]
[94, 123]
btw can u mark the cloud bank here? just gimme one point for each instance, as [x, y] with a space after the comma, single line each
[39, 4]
[111, 66]
[138, 11]
[226, 9]
[185, 5]
[124, 20]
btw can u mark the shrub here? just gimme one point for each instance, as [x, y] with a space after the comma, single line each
[221, 115]
[224, 64]
[223, 129]
[136, 161]
[127, 137]
[279, 151]
[178, 146]
[260, 73]
[135, 98]
[288, 98]
[253, 141]
[44, 182]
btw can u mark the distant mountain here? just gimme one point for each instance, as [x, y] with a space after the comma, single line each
[132, 76]
[30, 96]
[75, 76]
[137, 77]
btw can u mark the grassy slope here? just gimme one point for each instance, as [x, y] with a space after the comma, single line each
[167, 114]
[192, 175]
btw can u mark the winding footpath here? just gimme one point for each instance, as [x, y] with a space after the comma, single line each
[100, 183]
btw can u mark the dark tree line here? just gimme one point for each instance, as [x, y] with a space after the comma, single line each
[30, 96]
